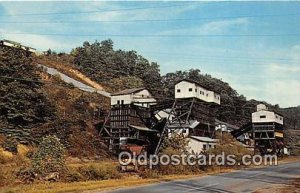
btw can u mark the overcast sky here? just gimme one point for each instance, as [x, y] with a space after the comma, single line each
[254, 46]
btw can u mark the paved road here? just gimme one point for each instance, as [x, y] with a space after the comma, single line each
[234, 182]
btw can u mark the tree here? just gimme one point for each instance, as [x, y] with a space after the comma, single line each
[175, 143]
[105, 65]
[23, 105]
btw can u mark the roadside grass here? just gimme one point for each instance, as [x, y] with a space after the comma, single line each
[101, 185]
[86, 186]
[96, 177]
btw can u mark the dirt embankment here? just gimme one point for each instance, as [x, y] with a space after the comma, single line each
[68, 69]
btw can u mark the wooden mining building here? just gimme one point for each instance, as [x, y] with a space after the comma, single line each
[138, 122]
[129, 121]
[266, 130]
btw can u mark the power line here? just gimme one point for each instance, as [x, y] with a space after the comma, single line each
[101, 11]
[61, 85]
[158, 36]
[196, 57]
[155, 20]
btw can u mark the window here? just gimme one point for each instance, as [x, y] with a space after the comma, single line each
[184, 131]
[122, 102]
[204, 146]
[262, 116]
[210, 146]
[178, 90]
[190, 89]
[195, 90]
[118, 102]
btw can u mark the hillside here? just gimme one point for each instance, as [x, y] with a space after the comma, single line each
[119, 69]
[34, 104]
[50, 106]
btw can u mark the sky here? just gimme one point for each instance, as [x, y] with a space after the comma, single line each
[254, 46]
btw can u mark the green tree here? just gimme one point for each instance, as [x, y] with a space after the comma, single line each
[103, 64]
[22, 103]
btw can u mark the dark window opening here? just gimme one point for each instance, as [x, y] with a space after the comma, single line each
[122, 102]
[190, 89]
[178, 90]
[263, 116]
[118, 102]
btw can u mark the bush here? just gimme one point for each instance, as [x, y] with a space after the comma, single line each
[50, 156]
[73, 175]
[229, 146]
[99, 172]
[26, 175]
[148, 173]
[10, 145]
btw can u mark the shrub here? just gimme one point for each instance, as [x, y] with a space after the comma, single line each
[100, 172]
[148, 173]
[73, 175]
[10, 145]
[229, 146]
[50, 156]
[26, 175]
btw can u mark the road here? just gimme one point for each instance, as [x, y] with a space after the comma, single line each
[239, 181]
[70, 80]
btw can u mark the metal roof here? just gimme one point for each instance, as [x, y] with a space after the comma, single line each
[204, 139]
[227, 124]
[142, 128]
[128, 91]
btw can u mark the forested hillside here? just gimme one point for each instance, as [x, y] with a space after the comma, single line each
[34, 105]
[45, 105]
[120, 69]
[22, 105]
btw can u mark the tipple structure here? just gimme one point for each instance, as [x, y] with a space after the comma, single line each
[137, 119]
[267, 130]
[129, 120]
